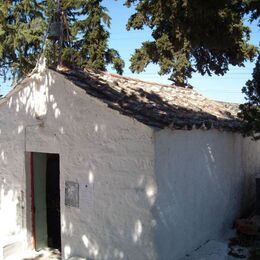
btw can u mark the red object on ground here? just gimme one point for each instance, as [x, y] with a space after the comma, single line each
[247, 227]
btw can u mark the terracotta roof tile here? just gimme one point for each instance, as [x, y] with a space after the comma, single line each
[155, 104]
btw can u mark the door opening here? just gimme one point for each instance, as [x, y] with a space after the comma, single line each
[45, 176]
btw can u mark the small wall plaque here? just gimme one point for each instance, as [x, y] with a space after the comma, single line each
[72, 194]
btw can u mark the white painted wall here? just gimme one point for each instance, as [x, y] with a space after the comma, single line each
[200, 182]
[112, 154]
[251, 167]
[134, 206]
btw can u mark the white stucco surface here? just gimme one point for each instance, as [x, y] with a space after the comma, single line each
[251, 166]
[144, 194]
[201, 182]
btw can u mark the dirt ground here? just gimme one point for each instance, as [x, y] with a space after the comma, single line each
[46, 254]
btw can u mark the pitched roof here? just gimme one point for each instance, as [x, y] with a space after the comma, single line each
[156, 104]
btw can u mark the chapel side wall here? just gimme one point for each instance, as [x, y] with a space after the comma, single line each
[199, 188]
[251, 167]
[111, 157]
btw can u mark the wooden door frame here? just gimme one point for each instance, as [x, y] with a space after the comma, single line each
[31, 186]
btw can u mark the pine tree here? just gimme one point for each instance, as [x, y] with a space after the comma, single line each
[23, 27]
[21, 31]
[191, 36]
[252, 7]
[88, 42]
[250, 111]
[93, 45]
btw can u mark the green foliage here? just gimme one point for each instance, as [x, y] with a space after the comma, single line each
[192, 36]
[250, 111]
[93, 45]
[252, 7]
[23, 27]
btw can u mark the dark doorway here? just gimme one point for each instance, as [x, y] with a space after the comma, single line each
[45, 174]
[53, 200]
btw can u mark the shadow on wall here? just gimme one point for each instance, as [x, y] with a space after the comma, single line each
[195, 197]
[118, 235]
[200, 185]
[31, 97]
[21, 109]
[12, 215]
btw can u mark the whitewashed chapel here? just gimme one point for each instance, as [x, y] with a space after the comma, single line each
[102, 166]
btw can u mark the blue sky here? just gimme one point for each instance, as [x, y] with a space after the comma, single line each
[225, 88]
